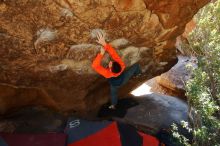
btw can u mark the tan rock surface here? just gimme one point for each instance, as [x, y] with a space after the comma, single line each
[47, 44]
[175, 79]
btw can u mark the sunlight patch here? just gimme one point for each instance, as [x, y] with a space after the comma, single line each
[144, 89]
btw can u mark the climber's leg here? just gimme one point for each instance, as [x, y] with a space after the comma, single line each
[134, 70]
[114, 95]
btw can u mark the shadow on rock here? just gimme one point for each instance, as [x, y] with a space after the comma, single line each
[149, 113]
[33, 120]
[120, 111]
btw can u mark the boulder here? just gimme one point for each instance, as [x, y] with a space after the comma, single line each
[173, 81]
[176, 78]
[33, 120]
[47, 46]
[149, 113]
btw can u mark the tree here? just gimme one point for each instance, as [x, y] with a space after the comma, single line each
[203, 90]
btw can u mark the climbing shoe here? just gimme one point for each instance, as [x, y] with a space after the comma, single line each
[112, 107]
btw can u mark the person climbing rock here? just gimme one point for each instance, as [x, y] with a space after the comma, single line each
[115, 73]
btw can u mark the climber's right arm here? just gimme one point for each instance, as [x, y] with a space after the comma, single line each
[96, 65]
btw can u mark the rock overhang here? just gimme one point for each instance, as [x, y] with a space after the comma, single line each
[48, 44]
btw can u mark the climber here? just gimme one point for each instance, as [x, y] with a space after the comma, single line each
[115, 73]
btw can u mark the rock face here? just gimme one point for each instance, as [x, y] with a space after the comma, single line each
[149, 112]
[33, 120]
[46, 46]
[173, 81]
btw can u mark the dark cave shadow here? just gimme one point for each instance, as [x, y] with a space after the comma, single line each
[120, 111]
[35, 119]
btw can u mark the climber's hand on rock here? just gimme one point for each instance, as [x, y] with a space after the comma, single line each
[102, 51]
[101, 39]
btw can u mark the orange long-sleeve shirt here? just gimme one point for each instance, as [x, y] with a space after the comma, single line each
[106, 72]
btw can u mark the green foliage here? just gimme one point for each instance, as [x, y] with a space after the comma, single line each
[203, 90]
[182, 140]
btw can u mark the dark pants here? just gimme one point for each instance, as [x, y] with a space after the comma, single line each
[134, 70]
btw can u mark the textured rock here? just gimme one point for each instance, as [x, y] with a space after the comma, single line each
[33, 120]
[173, 81]
[47, 44]
[13, 97]
[150, 112]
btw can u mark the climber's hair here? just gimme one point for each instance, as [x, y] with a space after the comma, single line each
[116, 67]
